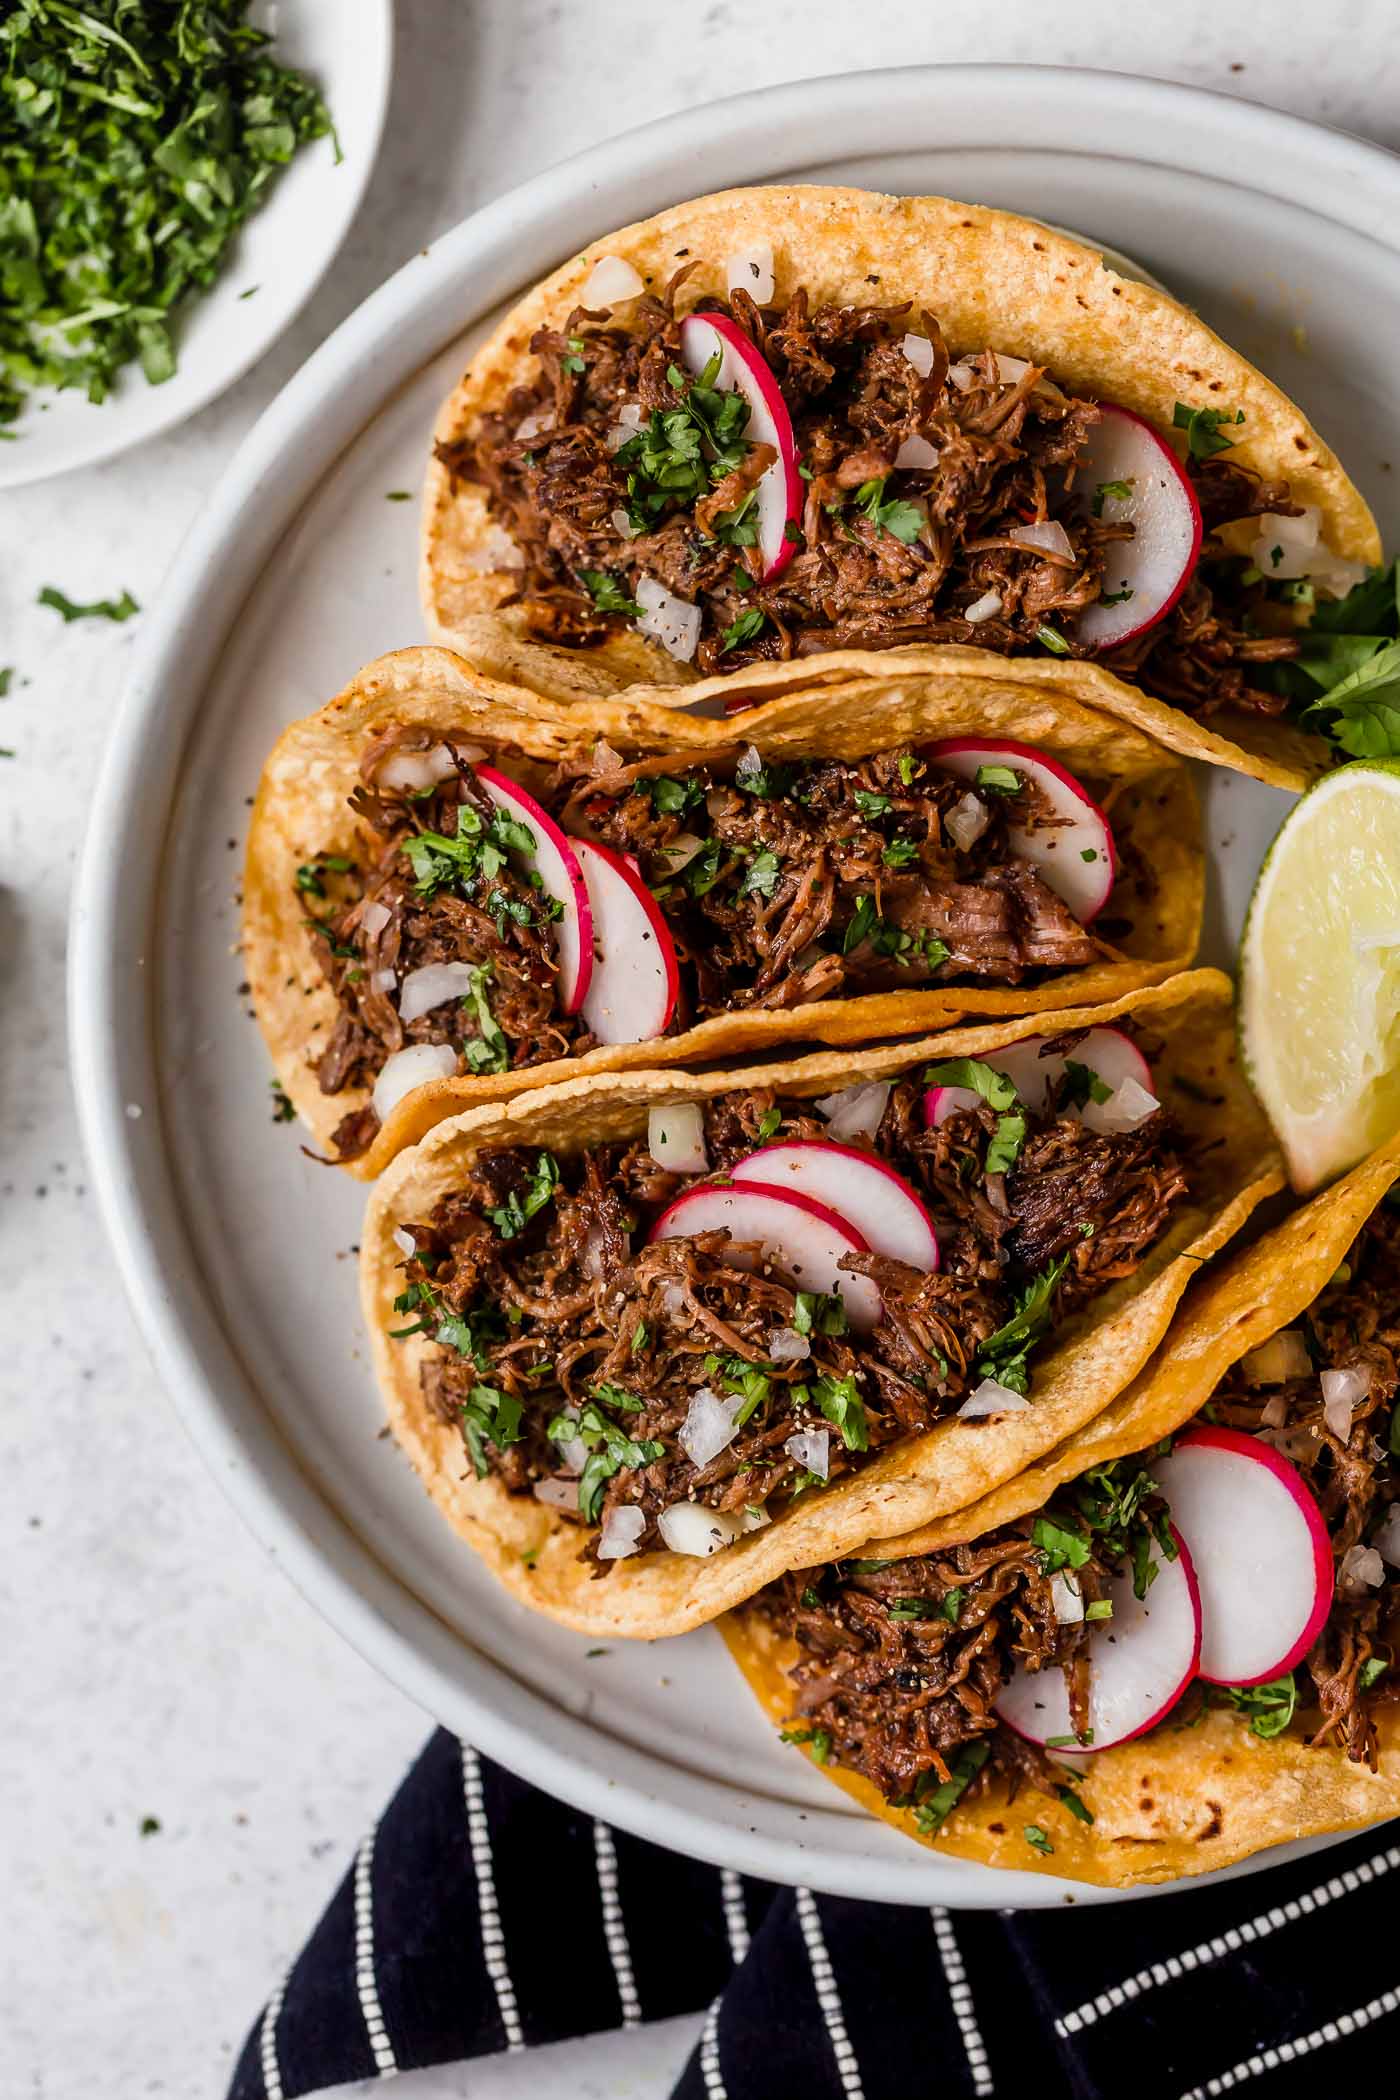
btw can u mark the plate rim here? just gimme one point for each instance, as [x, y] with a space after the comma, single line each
[376, 349]
[13, 474]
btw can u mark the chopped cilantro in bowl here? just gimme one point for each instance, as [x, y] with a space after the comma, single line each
[136, 137]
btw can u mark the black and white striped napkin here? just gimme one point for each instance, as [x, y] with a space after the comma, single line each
[480, 1915]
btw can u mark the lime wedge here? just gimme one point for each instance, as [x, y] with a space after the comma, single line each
[1320, 968]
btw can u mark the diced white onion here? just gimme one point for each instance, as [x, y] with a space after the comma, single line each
[672, 1299]
[605, 759]
[410, 1068]
[667, 619]
[1010, 369]
[1046, 535]
[992, 1399]
[621, 524]
[1274, 1413]
[919, 351]
[495, 550]
[622, 1531]
[530, 426]
[964, 375]
[383, 980]
[857, 1110]
[689, 1528]
[750, 763]
[375, 917]
[918, 453]
[1335, 575]
[1128, 1105]
[591, 1259]
[966, 821]
[1283, 1356]
[1298, 1444]
[1361, 1567]
[984, 608]
[573, 1455]
[433, 984]
[709, 1426]
[1340, 1392]
[1387, 1539]
[811, 1448]
[629, 422]
[1285, 547]
[611, 280]
[412, 772]
[676, 1138]
[557, 1494]
[751, 270]
[405, 1241]
[1067, 1598]
[787, 1346]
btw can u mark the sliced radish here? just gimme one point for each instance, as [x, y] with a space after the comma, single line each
[1261, 1551]
[742, 369]
[1075, 856]
[557, 865]
[799, 1235]
[1140, 1662]
[859, 1187]
[635, 982]
[1155, 565]
[1109, 1054]
[940, 1102]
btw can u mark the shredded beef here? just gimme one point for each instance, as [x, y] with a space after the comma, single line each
[561, 471]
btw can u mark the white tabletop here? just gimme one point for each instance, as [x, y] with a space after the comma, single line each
[155, 1664]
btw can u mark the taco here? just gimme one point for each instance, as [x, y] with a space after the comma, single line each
[951, 1680]
[456, 889]
[779, 423]
[651, 1339]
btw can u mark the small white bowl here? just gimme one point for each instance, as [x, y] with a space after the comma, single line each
[276, 263]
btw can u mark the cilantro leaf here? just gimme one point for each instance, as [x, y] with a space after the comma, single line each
[487, 1050]
[1002, 780]
[744, 629]
[607, 593]
[839, 1400]
[1005, 1148]
[1270, 1706]
[489, 1415]
[522, 1204]
[1003, 1354]
[972, 1075]
[118, 609]
[933, 1809]
[903, 520]
[817, 1742]
[762, 876]
[1204, 436]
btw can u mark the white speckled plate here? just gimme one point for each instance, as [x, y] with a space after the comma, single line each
[278, 259]
[236, 1250]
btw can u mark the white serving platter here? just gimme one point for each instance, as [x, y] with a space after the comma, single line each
[235, 1249]
[277, 260]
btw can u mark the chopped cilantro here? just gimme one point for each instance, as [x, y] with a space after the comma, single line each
[100, 609]
[817, 1312]
[703, 869]
[1083, 1085]
[1003, 1355]
[903, 520]
[860, 925]
[487, 1050]
[390, 495]
[762, 875]
[839, 1400]
[770, 1123]
[149, 1826]
[1270, 1706]
[953, 1604]
[489, 1416]
[1050, 638]
[871, 805]
[1038, 1839]
[816, 1742]
[641, 1335]
[135, 139]
[608, 594]
[1204, 436]
[909, 767]
[1002, 780]
[522, 1203]
[283, 1108]
[1059, 1547]
[1072, 1802]
[609, 1450]
[1005, 1148]
[933, 1809]
[309, 874]
[672, 798]
[682, 451]
[900, 853]
[912, 1608]
[1121, 491]
[1100, 1608]
[743, 629]
[1373, 1670]
[1115, 597]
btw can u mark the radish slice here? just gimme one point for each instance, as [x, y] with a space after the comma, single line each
[1109, 1054]
[1155, 565]
[1075, 856]
[557, 865]
[741, 369]
[859, 1187]
[1260, 1548]
[635, 982]
[1140, 1662]
[798, 1235]
[940, 1102]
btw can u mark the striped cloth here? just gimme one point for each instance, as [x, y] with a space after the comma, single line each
[480, 1915]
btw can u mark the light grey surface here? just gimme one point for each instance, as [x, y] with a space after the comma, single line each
[154, 1662]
